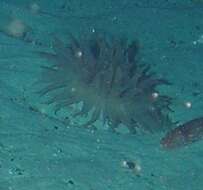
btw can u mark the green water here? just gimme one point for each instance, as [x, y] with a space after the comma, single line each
[42, 150]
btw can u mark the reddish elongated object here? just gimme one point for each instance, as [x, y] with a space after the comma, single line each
[183, 135]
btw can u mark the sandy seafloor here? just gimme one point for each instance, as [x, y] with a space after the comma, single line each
[39, 151]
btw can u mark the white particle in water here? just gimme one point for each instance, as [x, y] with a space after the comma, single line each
[155, 95]
[79, 54]
[35, 8]
[188, 104]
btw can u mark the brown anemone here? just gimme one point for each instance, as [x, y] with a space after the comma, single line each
[104, 74]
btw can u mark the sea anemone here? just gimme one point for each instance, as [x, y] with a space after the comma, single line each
[104, 74]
